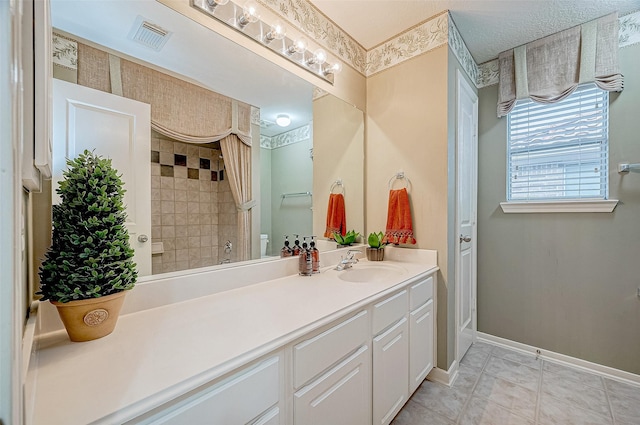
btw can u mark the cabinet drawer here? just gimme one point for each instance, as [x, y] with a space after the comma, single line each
[272, 417]
[314, 355]
[389, 311]
[420, 293]
[236, 400]
[342, 396]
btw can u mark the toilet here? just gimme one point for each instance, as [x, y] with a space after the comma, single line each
[264, 240]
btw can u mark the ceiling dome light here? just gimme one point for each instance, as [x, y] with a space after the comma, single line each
[283, 120]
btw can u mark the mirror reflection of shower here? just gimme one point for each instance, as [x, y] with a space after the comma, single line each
[193, 211]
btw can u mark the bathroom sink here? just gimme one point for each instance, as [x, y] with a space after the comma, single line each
[371, 272]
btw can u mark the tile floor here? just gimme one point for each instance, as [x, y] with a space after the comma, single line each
[498, 386]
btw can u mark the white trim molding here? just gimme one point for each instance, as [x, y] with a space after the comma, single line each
[446, 377]
[591, 205]
[606, 371]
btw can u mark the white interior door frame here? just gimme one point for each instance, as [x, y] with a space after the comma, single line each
[466, 215]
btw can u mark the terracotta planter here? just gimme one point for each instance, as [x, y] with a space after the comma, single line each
[375, 254]
[90, 319]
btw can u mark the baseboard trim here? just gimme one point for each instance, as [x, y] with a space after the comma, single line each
[446, 377]
[606, 371]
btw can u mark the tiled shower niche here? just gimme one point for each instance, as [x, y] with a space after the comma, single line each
[192, 209]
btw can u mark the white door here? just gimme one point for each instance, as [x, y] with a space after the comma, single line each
[117, 128]
[466, 202]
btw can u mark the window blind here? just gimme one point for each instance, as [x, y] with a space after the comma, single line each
[559, 150]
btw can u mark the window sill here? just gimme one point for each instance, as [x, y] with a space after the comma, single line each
[597, 205]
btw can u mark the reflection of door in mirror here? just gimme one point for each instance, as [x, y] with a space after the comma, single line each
[286, 184]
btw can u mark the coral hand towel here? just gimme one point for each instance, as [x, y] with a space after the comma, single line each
[399, 224]
[336, 216]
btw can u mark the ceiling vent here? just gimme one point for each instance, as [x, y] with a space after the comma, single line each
[148, 34]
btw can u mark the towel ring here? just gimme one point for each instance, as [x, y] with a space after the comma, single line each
[400, 176]
[335, 184]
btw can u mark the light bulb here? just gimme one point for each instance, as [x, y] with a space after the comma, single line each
[298, 46]
[249, 14]
[283, 120]
[215, 3]
[319, 57]
[333, 69]
[276, 32]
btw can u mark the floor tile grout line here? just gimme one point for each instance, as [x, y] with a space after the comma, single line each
[536, 416]
[606, 394]
[473, 388]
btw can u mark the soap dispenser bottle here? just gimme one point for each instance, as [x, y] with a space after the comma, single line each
[296, 246]
[304, 260]
[286, 251]
[315, 257]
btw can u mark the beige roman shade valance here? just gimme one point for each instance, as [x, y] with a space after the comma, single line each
[549, 69]
[179, 109]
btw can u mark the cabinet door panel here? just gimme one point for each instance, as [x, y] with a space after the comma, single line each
[342, 396]
[421, 347]
[390, 372]
[272, 417]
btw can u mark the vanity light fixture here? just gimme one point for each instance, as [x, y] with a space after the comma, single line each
[249, 14]
[319, 57]
[276, 32]
[238, 14]
[215, 3]
[332, 69]
[298, 46]
[283, 120]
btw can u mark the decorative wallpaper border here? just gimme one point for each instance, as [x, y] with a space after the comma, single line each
[456, 43]
[64, 52]
[290, 137]
[628, 34]
[411, 43]
[629, 29]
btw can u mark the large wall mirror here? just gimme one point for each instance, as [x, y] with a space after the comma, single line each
[294, 167]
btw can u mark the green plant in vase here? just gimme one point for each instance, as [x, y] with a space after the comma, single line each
[375, 250]
[90, 259]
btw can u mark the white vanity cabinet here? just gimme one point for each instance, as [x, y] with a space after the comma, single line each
[332, 375]
[250, 396]
[421, 331]
[403, 347]
[390, 356]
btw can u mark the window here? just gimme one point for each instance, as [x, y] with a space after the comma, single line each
[559, 151]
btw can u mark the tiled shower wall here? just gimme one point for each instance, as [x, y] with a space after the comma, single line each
[192, 209]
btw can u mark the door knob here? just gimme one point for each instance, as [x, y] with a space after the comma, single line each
[143, 238]
[465, 238]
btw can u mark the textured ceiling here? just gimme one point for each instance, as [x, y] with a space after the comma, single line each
[488, 27]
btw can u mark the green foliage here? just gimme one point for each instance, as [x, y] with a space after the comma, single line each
[90, 256]
[347, 239]
[375, 240]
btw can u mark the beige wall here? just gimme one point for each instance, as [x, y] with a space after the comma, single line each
[406, 129]
[338, 144]
[564, 282]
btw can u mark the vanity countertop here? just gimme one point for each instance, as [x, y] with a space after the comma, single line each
[157, 354]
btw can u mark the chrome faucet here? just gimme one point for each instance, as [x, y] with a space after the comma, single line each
[348, 261]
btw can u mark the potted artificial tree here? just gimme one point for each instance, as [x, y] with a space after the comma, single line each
[375, 250]
[90, 262]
